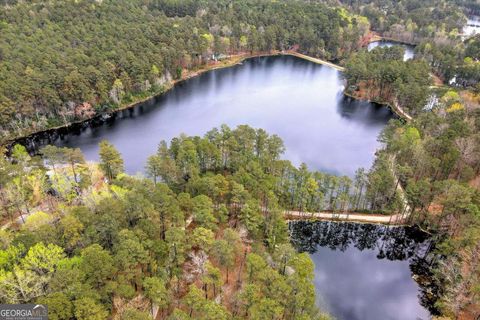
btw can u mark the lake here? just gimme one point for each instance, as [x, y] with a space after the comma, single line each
[472, 27]
[409, 49]
[300, 101]
[367, 271]
[303, 103]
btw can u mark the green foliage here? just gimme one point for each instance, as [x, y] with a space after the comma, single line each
[224, 254]
[411, 20]
[267, 309]
[36, 220]
[56, 72]
[111, 161]
[212, 279]
[59, 306]
[131, 239]
[89, 309]
[20, 154]
[28, 279]
[203, 211]
[96, 265]
[434, 157]
[42, 259]
[382, 75]
[179, 315]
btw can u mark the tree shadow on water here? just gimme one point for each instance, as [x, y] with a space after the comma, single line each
[391, 243]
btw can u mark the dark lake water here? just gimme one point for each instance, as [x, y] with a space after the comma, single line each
[409, 50]
[303, 103]
[300, 101]
[472, 27]
[366, 272]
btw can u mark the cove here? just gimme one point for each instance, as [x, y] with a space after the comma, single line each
[299, 100]
[367, 271]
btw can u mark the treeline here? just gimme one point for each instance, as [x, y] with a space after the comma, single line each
[437, 159]
[381, 75]
[250, 157]
[412, 20]
[470, 6]
[71, 60]
[204, 239]
[459, 64]
[435, 26]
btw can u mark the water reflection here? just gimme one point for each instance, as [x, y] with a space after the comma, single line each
[300, 101]
[409, 49]
[473, 26]
[366, 271]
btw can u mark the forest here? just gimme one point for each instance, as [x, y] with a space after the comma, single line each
[437, 159]
[66, 61]
[456, 64]
[203, 235]
[209, 215]
[436, 153]
[381, 75]
[436, 28]
[207, 242]
[412, 21]
[205, 225]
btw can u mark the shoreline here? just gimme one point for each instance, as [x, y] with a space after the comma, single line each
[398, 41]
[226, 63]
[377, 38]
[393, 220]
[231, 61]
[394, 108]
[355, 217]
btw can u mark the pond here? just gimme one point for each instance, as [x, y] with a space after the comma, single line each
[367, 271]
[300, 101]
[409, 49]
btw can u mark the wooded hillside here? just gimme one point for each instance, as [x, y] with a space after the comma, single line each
[62, 61]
